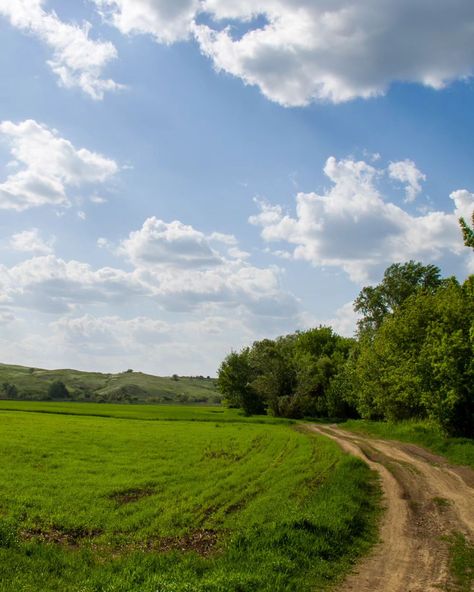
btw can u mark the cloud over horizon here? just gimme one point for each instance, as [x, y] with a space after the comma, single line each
[355, 227]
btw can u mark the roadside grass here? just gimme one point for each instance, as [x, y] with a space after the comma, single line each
[424, 433]
[101, 504]
[461, 562]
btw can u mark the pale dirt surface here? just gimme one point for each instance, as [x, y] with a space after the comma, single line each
[425, 498]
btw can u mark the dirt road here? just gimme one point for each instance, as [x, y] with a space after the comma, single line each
[425, 499]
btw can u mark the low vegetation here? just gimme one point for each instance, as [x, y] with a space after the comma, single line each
[461, 563]
[424, 433]
[117, 504]
[20, 382]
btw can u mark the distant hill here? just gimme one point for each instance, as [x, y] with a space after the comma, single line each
[129, 386]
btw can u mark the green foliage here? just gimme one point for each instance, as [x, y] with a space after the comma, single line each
[58, 390]
[290, 376]
[97, 504]
[400, 281]
[414, 358]
[467, 232]
[234, 380]
[9, 390]
[419, 363]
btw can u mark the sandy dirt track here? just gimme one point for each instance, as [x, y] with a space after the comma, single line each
[424, 499]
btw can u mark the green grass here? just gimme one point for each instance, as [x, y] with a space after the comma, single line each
[457, 450]
[141, 412]
[33, 383]
[117, 504]
[461, 562]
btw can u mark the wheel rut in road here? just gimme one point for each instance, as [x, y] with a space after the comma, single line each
[425, 500]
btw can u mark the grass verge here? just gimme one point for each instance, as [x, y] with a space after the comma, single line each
[461, 562]
[424, 433]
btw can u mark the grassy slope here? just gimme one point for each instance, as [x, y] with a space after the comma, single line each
[287, 511]
[457, 450]
[34, 383]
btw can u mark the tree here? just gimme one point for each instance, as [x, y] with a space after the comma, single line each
[58, 390]
[274, 374]
[9, 390]
[419, 363]
[234, 379]
[400, 281]
[467, 232]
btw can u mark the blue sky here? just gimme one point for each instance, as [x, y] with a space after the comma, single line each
[242, 172]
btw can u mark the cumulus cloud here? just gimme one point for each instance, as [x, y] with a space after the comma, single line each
[159, 243]
[336, 51]
[30, 241]
[355, 227]
[50, 284]
[167, 20]
[195, 302]
[173, 267]
[48, 165]
[77, 60]
[294, 51]
[406, 172]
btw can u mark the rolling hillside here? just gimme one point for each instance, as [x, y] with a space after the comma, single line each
[33, 383]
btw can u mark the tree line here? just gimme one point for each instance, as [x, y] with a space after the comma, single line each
[411, 357]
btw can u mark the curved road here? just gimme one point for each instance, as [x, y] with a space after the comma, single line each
[425, 499]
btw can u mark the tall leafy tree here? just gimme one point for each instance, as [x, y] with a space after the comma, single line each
[400, 281]
[234, 380]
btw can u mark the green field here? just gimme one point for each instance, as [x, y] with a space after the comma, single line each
[155, 502]
[424, 433]
[128, 386]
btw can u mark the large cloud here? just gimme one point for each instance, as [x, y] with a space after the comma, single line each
[77, 60]
[173, 267]
[298, 51]
[195, 301]
[48, 164]
[294, 51]
[355, 227]
[340, 49]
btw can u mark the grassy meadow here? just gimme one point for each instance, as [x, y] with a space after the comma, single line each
[171, 499]
[128, 386]
[422, 432]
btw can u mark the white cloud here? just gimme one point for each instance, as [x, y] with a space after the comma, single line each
[77, 60]
[30, 241]
[195, 304]
[298, 51]
[167, 20]
[48, 165]
[50, 284]
[159, 243]
[354, 227]
[173, 268]
[406, 172]
[344, 320]
[339, 50]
